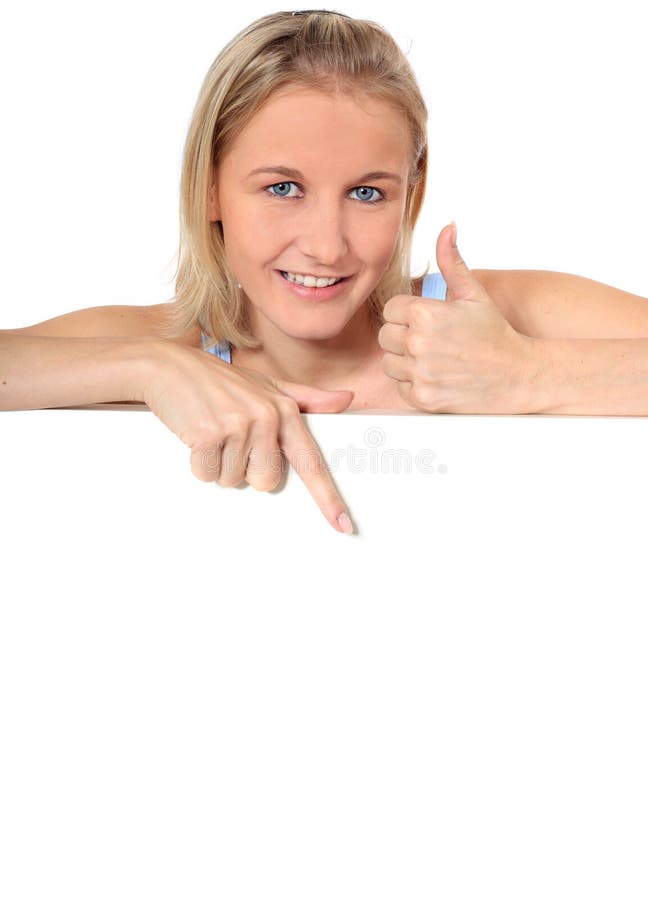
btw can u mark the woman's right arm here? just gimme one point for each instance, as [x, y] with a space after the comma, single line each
[93, 355]
[237, 422]
[38, 372]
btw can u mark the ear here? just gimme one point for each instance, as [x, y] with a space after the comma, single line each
[213, 206]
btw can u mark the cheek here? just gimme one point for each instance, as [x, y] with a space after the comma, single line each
[378, 243]
[258, 228]
[246, 234]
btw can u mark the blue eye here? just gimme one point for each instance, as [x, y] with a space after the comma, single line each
[283, 191]
[375, 190]
[281, 184]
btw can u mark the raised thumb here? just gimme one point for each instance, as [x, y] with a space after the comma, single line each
[314, 400]
[462, 284]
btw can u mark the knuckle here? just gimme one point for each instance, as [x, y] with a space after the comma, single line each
[267, 417]
[415, 343]
[264, 465]
[202, 471]
[236, 422]
[422, 394]
[287, 406]
[232, 472]
[209, 461]
[206, 433]
[266, 481]
[420, 312]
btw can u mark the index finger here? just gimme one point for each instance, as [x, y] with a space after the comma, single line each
[396, 310]
[303, 454]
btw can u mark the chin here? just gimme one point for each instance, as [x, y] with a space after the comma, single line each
[328, 327]
[313, 334]
[310, 330]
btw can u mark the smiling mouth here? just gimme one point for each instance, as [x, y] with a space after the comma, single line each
[312, 278]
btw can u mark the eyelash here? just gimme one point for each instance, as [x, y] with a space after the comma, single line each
[363, 202]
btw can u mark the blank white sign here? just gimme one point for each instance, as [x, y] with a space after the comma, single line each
[207, 692]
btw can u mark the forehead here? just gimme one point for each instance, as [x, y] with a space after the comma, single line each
[302, 124]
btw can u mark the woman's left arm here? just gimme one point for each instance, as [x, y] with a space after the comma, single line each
[511, 342]
[557, 305]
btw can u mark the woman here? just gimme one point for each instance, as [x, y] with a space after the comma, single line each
[306, 158]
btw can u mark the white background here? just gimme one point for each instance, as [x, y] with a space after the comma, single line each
[208, 693]
[537, 131]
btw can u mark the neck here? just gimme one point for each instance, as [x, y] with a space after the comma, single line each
[336, 363]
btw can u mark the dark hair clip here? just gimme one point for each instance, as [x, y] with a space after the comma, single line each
[305, 12]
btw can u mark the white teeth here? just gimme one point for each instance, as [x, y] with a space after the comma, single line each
[309, 280]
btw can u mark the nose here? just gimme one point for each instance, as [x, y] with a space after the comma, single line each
[322, 233]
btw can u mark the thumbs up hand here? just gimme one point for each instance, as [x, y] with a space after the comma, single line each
[461, 356]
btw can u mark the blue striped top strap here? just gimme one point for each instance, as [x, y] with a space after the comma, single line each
[223, 350]
[434, 287]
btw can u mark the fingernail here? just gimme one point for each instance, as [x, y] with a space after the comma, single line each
[454, 234]
[345, 523]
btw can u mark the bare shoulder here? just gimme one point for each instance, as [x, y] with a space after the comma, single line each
[113, 321]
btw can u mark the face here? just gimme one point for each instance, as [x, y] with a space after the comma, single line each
[327, 218]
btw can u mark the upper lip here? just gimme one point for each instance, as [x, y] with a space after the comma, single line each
[312, 274]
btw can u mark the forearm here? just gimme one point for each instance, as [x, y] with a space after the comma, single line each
[42, 372]
[588, 376]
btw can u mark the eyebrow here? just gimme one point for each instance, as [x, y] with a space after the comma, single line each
[295, 173]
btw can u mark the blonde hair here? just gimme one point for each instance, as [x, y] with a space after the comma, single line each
[320, 49]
